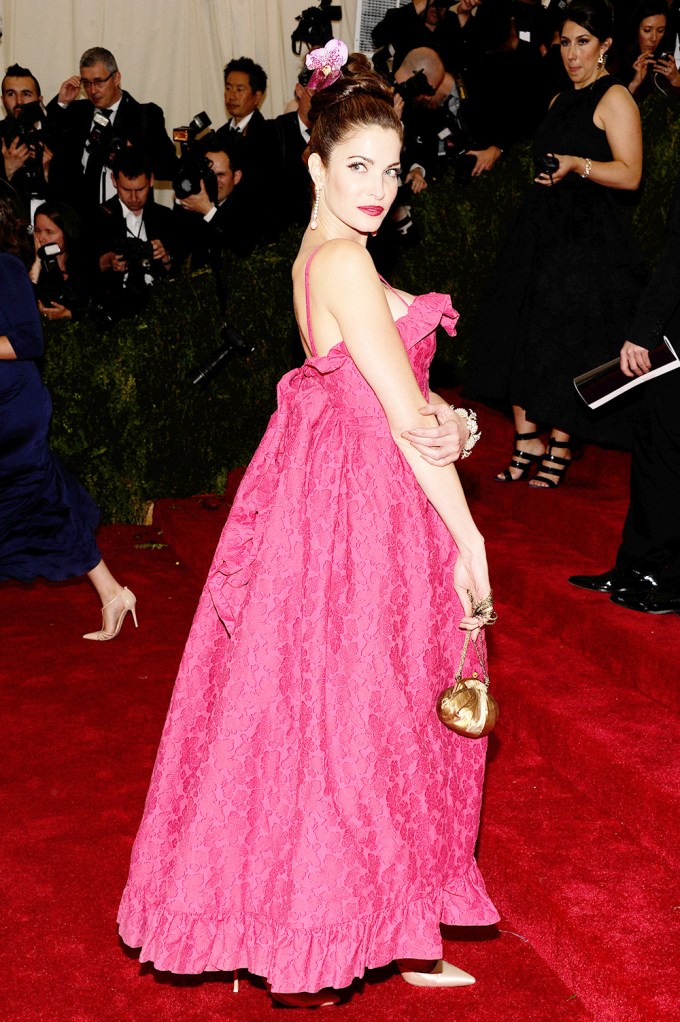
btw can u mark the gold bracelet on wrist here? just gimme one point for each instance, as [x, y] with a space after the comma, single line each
[587, 168]
[470, 420]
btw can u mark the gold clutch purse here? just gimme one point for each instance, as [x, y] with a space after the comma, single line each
[467, 707]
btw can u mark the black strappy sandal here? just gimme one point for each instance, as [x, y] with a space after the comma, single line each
[552, 465]
[521, 460]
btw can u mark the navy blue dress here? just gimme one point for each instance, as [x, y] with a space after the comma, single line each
[47, 520]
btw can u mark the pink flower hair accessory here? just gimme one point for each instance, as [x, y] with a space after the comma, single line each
[326, 63]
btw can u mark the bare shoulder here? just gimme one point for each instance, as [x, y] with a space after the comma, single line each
[616, 101]
[343, 256]
[339, 256]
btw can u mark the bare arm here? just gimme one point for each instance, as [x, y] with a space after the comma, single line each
[617, 114]
[444, 444]
[7, 352]
[346, 283]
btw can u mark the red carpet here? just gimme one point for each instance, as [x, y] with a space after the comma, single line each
[579, 841]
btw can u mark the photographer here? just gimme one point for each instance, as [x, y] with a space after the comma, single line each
[650, 51]
[504, 100]
[26, 156]
[57, 272]
[134, 238]
[90, 131]
[469, 122]
[245, 83]
[293, 183]
[421, 23]
[218, 216]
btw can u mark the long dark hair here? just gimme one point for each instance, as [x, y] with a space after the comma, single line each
[646, 9]
[66, 219]
[15, 236]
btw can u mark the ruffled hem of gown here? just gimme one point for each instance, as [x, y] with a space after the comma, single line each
[295, 959]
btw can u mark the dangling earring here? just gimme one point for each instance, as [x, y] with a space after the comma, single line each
[314, 222]
[601, 60]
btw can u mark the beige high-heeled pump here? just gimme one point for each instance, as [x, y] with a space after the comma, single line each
[443, 975]
[129, 601]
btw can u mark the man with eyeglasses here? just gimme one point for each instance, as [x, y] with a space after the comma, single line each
[90, 131]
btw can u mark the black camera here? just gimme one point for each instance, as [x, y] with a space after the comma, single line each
[314, 26]
[52, 288]
[30, 122]
[101, 142]
[127, 294]
[547, 164]
[29, 126]
[138, 254]
[232, 344]
[101, 128]
[194, 167]
[414, 87]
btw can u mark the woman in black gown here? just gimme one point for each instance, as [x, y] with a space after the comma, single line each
[565, 285]
[47, 520]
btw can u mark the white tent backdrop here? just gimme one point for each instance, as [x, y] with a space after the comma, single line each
[170, 52]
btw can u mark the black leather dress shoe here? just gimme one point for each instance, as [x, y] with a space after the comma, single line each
[616, 580]
[659, 600]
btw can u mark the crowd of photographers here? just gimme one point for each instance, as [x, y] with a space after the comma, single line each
[471, 79]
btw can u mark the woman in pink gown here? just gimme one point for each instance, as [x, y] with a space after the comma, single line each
[309, 817]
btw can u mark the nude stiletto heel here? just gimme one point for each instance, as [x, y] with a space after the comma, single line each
[129, 601]
[443, 975]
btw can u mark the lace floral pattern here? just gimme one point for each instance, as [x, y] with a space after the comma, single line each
[308, 815]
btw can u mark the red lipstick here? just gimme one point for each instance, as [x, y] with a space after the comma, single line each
[372, 210]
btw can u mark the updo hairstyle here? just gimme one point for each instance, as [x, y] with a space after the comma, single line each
[595, 16]
[359, 98]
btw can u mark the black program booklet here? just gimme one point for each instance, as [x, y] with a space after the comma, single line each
[605, 382]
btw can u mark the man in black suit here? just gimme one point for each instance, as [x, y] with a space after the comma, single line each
[245, 83]
[90, 131]
[646, 576]
[134, 239]
[293, 183]
[207, 223]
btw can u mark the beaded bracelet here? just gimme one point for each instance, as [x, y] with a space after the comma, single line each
[470, 420]
[587, 168]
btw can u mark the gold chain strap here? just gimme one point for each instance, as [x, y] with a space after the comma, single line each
[466, 644]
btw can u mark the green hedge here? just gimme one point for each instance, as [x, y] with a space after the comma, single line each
[127, 419]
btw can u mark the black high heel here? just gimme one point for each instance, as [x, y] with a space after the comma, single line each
[521, 460]
[552, 465]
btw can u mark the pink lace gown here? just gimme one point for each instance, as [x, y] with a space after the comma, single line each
[308, 815]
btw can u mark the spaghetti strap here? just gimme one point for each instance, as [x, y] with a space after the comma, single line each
[310, 336]
[390, 288]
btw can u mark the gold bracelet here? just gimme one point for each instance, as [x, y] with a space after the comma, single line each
[588, 167]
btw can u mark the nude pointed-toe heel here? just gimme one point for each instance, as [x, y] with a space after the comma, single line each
[443, 975]
[129, 601]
